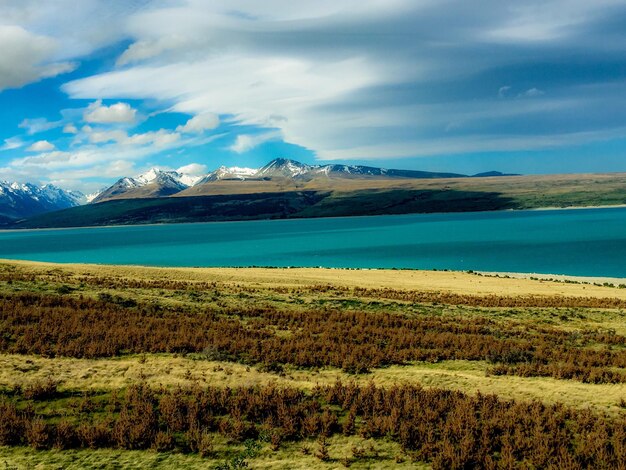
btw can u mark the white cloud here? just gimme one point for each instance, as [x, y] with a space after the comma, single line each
[533, 93]
[34, 126]
[12, 143]
[503, 91]
[70, 129]
[104, 136]
[142, 50]
[25, 57]
[193, 169]
[245, 142]
[116, 113]
[53, 159]
[200, 123]
[160, 138]
[41, 146]
[368, 75]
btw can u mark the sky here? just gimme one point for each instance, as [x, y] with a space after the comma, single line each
[95, 90]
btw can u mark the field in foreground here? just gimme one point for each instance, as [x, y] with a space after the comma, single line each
[305, 368]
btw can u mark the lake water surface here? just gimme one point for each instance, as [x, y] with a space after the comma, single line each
[586, 242]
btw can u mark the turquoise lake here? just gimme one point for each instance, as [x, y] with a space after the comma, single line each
[586, 242]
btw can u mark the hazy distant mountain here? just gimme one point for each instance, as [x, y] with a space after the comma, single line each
[22, 200]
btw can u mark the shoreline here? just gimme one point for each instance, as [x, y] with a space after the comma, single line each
[585, 280]
[456, 282]
[554, 208]
[542, 277]
[532, 209]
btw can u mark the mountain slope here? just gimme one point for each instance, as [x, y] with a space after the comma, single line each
[153, 183]
[23, 200]
[282, 174]
[224, 173]
[285, 168]
[277, 205]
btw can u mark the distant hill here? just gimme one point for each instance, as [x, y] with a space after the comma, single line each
[276, 205]
[487, 174]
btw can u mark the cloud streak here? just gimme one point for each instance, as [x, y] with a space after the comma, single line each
[372, 76]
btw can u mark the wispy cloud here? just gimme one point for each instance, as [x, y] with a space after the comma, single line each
[12, 143]
[24, 57]
[199, 124]
[245, 142]
[37, 125]
[370, 75]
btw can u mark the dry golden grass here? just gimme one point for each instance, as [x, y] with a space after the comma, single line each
[378, 454]
[411, 280]
[170, 370]
[529, 186]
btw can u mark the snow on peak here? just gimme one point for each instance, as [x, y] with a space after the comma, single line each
[90, 197]
[18, 200]
[156, 174]
[233, 172]
[150, 175]
[189, 180]
[284, 167]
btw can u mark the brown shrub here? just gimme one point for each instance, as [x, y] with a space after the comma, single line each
[356, 341]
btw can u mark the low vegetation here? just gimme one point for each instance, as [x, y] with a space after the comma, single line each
[447, 429]
[237, 371]
[56, 325]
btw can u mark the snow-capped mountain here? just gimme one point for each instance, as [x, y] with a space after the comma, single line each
[224, 173]
[90, 197]
[21, 200]
[158, 183]
[153, 183]
[283, 168]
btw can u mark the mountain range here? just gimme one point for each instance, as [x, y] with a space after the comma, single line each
[23, 200]
[279, 174]
[19, 201]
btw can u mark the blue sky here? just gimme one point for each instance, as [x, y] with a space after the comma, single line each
[94, 90]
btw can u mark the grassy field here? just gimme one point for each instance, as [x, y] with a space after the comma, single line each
[78, 339]
[527, 191]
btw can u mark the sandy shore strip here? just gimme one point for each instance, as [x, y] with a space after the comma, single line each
[614, 281]
[413, 280]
